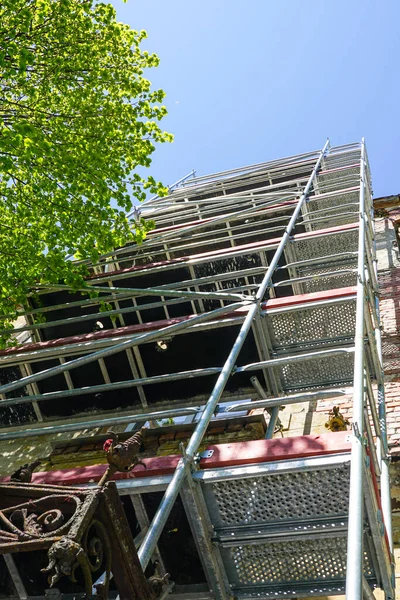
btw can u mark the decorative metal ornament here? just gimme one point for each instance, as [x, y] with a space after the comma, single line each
[82, 530]
[122, 456]
[336, 421]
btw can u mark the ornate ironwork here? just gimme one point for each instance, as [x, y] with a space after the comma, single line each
[71, 525]
[25, 472]
[65, 556]
[336, 422]
[41, 518]
[157, 582]
[122, 456]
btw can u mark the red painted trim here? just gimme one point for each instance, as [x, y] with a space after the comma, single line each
[174, 261]
[154, 325]
[225, 455]
[186, 260]
[259, 451]
[310, 297]
[98, 335]
[159, 465]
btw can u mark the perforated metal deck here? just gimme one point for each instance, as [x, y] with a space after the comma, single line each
[307, 328]
[325, 253]
[322, 211]
[272, 569]
[326, 245]
[281, 527]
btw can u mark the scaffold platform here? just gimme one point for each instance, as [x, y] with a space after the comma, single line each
[257, 289]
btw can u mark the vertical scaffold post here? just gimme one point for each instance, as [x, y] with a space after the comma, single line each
[182, 469]
[354, 572]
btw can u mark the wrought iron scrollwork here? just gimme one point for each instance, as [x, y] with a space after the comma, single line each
[45, 517]
[69, 524]
[97, 546]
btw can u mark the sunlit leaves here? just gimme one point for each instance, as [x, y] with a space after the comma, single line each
[78, 118]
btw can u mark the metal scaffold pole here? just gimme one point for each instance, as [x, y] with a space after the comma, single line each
[130, 343]
[161, 516]
[354, 572]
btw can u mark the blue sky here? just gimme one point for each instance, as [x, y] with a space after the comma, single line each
[252, 81]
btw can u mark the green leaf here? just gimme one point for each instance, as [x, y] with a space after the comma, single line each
[77, 120]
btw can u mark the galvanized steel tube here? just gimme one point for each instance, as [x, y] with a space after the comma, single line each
[144, 338]
[117, 385]
[355, 558]
[161, 516]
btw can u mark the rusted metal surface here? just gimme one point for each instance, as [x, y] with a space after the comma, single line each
[24, 473]
[83, 531]
[127, 572]
[158, 583]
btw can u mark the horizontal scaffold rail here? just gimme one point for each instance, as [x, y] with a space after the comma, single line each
[232, 311]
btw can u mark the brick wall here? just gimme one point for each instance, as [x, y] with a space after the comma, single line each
[389, 282]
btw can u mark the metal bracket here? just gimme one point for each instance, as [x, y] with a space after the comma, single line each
[356, 430]
[357, 434]
[206, 454]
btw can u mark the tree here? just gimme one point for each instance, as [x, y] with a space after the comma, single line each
[78, 118]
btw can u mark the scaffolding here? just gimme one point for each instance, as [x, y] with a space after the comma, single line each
[275, 264]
